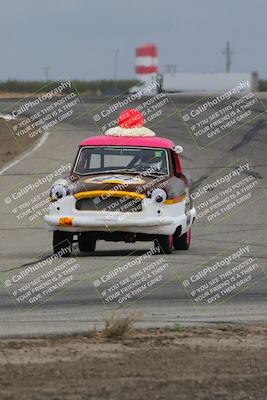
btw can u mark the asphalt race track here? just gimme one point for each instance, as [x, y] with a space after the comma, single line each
[79, 307]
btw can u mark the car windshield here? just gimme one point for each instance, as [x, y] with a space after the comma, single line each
[93, 160]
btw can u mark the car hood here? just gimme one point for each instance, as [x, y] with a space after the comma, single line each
[120, 182]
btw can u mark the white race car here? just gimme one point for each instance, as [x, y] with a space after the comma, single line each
[127, 185]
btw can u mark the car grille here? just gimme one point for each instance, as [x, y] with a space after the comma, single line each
[122, 204]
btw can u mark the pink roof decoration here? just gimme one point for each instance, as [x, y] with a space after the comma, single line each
[154, 141]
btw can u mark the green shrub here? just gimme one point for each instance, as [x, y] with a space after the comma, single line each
[262, 85]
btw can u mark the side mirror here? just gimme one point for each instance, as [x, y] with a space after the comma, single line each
[177, 149]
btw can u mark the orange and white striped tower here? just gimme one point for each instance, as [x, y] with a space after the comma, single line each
[146, 62]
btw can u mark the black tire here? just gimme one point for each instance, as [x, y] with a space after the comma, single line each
[182, 242]
[62, 242]
[86, 242]
[165, 242]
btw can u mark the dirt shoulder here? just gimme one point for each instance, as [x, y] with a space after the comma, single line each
[201, 363]
[10, 147]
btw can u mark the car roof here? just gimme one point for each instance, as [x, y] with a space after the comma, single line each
[153, 141]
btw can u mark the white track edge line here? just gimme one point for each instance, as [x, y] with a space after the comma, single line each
[26, 154]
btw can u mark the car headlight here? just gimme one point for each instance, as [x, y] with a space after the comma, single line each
[158, 195]
[58, 191]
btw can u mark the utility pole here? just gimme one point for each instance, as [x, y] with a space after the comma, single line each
[116, 67]
[46, 73]
[228, 52]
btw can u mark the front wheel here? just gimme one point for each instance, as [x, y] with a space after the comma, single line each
[62, 243]
[165, 243]
[86, 243]
[182, 242]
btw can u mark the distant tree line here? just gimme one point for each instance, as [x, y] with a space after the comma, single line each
[83, 87]
[263, 85]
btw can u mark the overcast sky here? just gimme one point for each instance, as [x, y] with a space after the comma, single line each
[80, 37]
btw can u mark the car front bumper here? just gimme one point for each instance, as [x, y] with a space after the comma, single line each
[153, 219]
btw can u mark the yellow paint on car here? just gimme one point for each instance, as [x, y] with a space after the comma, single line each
[108, 193]
[177, 199]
